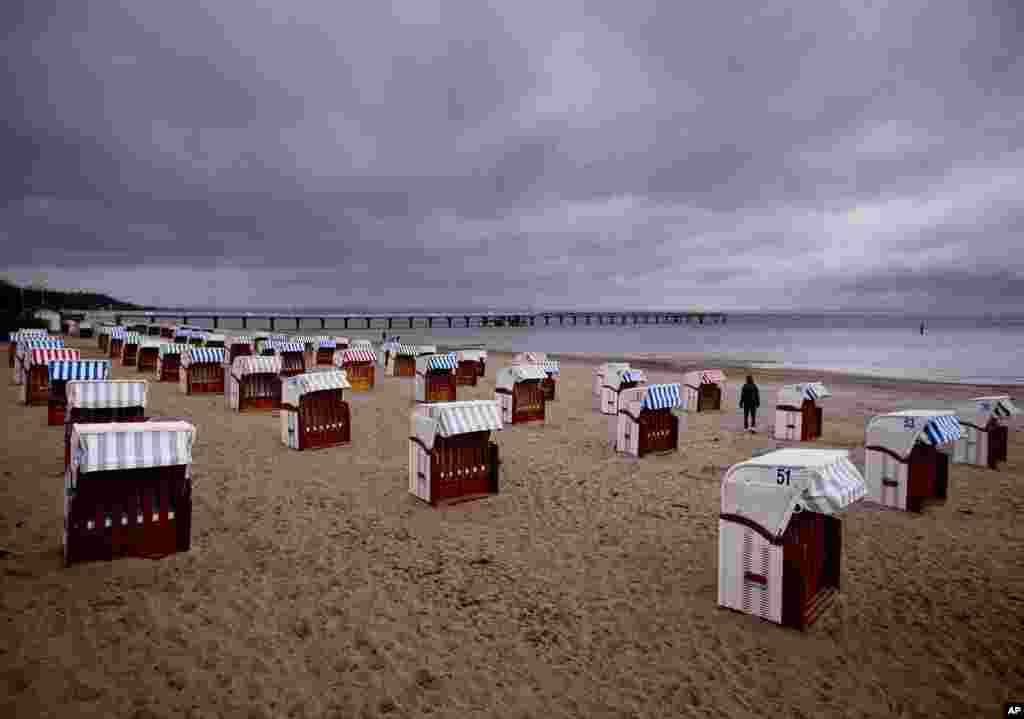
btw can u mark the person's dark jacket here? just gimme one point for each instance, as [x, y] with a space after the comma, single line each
[749, 396]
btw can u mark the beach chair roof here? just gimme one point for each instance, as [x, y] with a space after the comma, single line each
[770, 488]
[426, 349]
[616, 379]
[436, 362]
[703, 376]
[28, 332]
[25, 347]
[151, 344]
[240, 340]
[43, 356]
[102, 447]
[172, 348]
[472, 355]
[529, 358]
[354, 355]
[661, 396]
[898, 431]
[341, 341]
[203, 355]
[243, 366]
[404, 350]
[106, 394]
[795, 394]
[78, 369]
[281, 347]
[985, 408]
[328, 343]
[507, 377]
[453, 418]
[216, 338]
[362, 343]
[132, 338]
[609, 367]
[300, 385]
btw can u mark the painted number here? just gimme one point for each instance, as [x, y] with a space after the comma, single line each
[908, 422]
[782, 475]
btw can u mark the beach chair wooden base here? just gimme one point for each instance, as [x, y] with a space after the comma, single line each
[659, 432]
[37, 386]
[463, 468]
[361, 375]
[292, 363]
[709, 398]
[928, 471]
[527, 402]
[114, 349]
[325, 356]
[439, 387]
[11, 349]
[323, 421]
[129, 356]
[260, 392]
[812, 547]
[169, 368]
[467, 374]
[405, 366]
[204, 379]
[129, 513]
[147, 360]
[998, 436]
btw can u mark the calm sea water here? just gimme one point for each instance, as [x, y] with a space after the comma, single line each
[965, 350]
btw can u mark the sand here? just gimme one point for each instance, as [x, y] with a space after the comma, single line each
[318, 586]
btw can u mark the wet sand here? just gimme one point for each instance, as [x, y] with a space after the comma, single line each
[318, 586]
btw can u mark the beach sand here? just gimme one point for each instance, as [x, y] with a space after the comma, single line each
[318, 586]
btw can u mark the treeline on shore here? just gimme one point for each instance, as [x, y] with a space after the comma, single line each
[17, 304]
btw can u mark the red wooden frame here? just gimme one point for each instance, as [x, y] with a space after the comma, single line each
[527, 401]
[811, 561]
[204, 378]
[129, 498]
[439, 386]
[147, 358]
[293, 363]
[361, 375]
[462, 468]
[467, 373]
[405, 365]
[324, 420]
[259, 392]
[169, 367]
[37, 379]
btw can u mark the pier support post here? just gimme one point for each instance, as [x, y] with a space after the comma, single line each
[467, 320]
[117, 319]
[271, 324]
[298, 324]
[346, 323]
[368, 321]
[391, 321]
[449, 323]
[701, 319]
[574, 320]
[323, 323]
[410, 323]
[216, 319]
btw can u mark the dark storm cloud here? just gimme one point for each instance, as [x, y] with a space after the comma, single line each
[449, 152]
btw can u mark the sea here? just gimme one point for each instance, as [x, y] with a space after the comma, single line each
[967, 350]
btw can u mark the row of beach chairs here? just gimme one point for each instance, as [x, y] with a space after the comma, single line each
[779, 538]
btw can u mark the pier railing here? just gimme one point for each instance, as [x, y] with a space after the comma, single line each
[398, 320]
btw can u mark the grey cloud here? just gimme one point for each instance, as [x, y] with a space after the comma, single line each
[470, 150]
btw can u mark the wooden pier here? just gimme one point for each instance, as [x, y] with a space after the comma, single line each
[410, 319]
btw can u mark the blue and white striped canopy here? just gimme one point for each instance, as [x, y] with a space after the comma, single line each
[79, 369]
[327, 343]
[940, 430]
[203, 355]
[118, 332]
[445, 361]
[661, 396]
[632, 375]
[21, 334]
[286, 346]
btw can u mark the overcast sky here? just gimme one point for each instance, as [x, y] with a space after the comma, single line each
[817, 154]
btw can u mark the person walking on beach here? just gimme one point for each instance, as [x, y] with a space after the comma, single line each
[750, 400]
